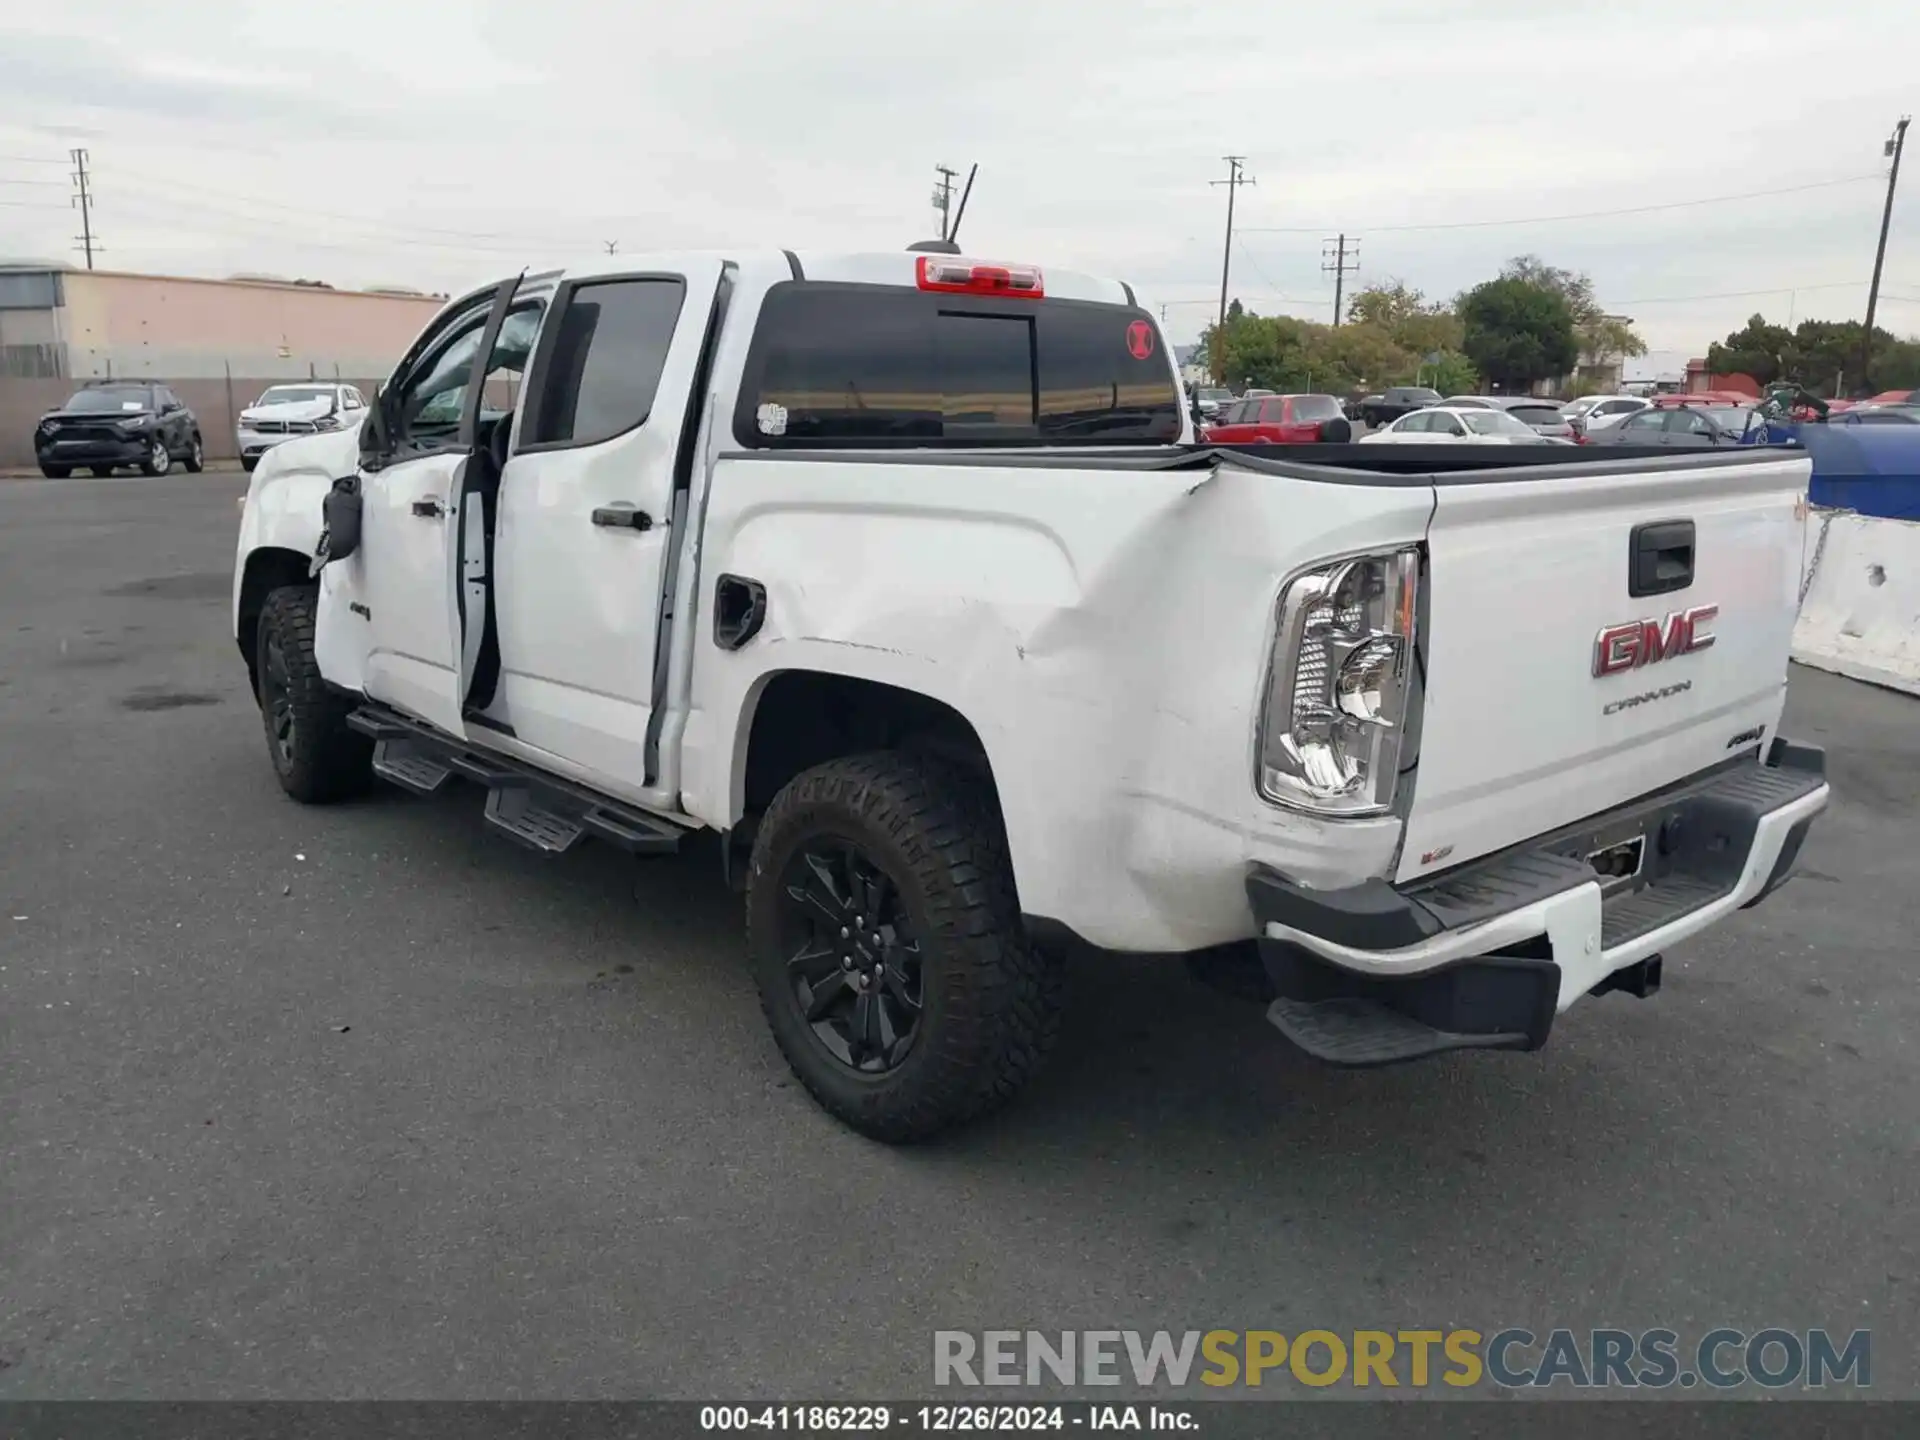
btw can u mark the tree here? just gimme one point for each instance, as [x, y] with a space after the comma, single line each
[1451, 374]
[1518, 331]
[1766, 352]
[1598, 334]
[1407, 317]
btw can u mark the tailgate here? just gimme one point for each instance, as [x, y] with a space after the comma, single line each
[1553, 691]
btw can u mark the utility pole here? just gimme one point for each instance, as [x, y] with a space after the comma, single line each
[1336, 262]
[613, 246]
[1235, 179]
[1896, 142]
[943, 196]
[83, 197]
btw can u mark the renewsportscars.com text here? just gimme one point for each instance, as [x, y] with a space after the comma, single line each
[1722, 1359]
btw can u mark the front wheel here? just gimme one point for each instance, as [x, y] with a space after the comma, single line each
[247, 462]
[315, 756]
[196, 460]
[159, 459]
[55, 472]
[886, 941]
[102, 471]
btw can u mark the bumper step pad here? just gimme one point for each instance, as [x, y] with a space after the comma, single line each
[1355, 1032]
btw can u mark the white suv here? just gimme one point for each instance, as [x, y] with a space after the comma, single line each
[283, 411]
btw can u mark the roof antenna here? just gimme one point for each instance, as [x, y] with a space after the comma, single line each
[952, 237]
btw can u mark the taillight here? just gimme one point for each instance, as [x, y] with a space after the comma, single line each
[973, 277]
[1337, 693]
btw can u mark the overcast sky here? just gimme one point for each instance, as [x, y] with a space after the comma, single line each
[438, 142]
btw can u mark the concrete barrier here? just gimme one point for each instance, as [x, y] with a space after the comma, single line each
[1860, 599]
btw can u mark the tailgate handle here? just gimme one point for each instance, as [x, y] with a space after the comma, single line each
[1660, 557]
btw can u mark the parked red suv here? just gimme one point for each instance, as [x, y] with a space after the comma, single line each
[1281, 420]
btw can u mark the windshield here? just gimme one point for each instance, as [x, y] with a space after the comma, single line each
[1494, 422]
[293, 394]
[104, 398]
[1215, 393]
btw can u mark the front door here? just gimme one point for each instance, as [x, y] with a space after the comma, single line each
[409, 525]
[586, 517]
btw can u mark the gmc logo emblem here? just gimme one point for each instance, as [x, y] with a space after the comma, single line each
[1638, 643]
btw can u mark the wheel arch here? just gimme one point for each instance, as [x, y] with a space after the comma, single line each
[798, 718]
[267, 568]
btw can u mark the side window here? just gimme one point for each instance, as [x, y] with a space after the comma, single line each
[1238, 412]
[1273, 412]
[1644, 422]
[428, 401]
[604, 363]
[1688, 422]
[1418, 423]
[350, 399]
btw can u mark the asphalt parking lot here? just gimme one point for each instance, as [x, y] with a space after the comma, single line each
[367, 1102]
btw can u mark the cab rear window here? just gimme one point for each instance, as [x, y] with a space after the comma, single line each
[835, 365]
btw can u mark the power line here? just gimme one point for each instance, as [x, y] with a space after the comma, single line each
[1335, 263]
[1735, 294]
[1580, 215]
[516, 242]
[31, 160]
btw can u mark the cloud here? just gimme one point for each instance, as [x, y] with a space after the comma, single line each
[443, 141]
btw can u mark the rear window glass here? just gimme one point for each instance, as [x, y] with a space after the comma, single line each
[840, 364]
[1413, 395]
[1316, 407]
[1536, 414]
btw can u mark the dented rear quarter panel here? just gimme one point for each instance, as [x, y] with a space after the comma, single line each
[1105, 631]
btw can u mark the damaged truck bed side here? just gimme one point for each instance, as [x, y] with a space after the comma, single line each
[902, 574]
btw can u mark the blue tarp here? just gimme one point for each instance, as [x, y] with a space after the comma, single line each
[1874, 469]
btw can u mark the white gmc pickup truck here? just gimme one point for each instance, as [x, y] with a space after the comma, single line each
[903, 573]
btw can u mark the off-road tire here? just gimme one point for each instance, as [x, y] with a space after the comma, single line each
[992, 999]
[195, 460]
[323, 760]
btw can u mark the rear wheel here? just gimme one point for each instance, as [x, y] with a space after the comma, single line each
[887, 945]
[196, 460]
[103, 471]
[316, 757]
[159, 459]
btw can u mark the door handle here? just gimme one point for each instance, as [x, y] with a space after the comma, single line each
[622, 517]
[429, 509]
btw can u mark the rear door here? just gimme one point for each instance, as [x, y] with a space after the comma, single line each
[1593, 637]
[587, 517]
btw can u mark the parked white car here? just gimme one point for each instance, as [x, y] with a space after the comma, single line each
[1456, 425]
[1601, 412]
[904, 576]
[284, 411]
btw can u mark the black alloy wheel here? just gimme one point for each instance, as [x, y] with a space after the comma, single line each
[276, 700]
[853, 966]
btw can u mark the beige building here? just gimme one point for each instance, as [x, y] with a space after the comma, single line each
[218, 343]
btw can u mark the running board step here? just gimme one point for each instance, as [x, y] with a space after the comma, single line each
[401, 762]
[1358, 1032]
[513, 810]
[536, 809]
